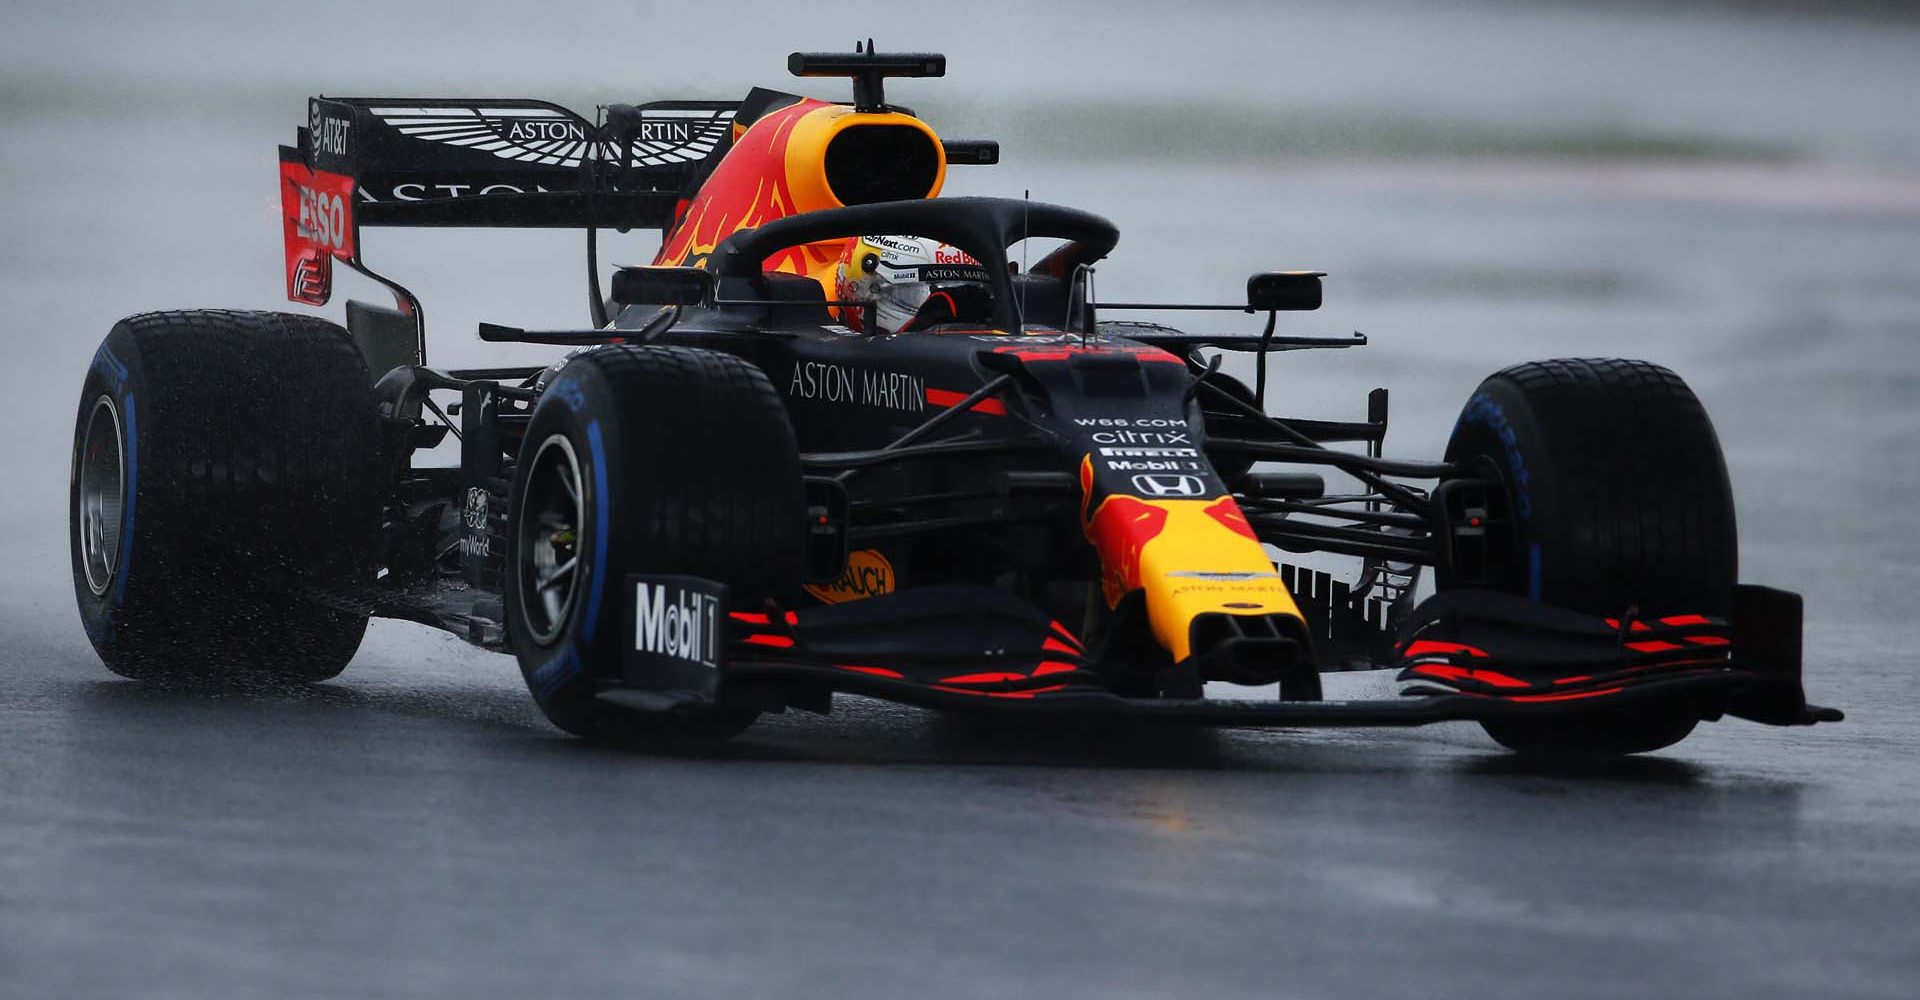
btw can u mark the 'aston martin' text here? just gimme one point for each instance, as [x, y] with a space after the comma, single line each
[858, 386]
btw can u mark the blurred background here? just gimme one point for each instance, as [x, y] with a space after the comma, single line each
[1729, 188]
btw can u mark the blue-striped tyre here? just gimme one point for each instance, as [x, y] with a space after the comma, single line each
[657, 460]
[224, 498]
[1614, 500]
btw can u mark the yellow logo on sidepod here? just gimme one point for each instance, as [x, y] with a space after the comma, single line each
[868, 574]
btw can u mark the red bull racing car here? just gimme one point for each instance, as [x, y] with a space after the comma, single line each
[836, 439]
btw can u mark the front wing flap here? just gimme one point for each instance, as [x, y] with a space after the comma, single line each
[1464, 657]
[980, 650]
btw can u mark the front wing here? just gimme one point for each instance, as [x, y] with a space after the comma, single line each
[1463, 657]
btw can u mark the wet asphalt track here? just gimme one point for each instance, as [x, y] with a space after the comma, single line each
[414, 829]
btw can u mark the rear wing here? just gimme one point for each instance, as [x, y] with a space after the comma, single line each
[494, 163]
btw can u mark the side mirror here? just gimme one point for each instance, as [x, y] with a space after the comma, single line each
[1284, 291]
[662, 286]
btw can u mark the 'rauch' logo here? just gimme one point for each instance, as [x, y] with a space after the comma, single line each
[868, 574]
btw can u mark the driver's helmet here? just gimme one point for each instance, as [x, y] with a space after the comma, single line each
[913, 282]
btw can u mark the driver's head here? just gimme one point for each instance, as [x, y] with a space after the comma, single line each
[913, 283]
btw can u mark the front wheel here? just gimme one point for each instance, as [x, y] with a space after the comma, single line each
[1613, 498]
[655, 460]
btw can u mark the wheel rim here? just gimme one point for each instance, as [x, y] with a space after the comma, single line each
[552, 512]
[1497, 565]
[102, 496]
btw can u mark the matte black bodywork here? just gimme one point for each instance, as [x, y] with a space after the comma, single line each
[956, 465]
[951, 452]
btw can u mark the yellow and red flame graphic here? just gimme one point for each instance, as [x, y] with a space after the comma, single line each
[1191, 557]
[748, 188]
[776, 168]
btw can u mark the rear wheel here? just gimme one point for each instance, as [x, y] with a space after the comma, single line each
[224, 498]
[649, 460]
[1615, 497]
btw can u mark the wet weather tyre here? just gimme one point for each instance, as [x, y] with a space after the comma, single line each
[1614, 498]
[224, 498]
[658, 460]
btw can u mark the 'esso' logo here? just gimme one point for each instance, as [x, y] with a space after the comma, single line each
[323, 218]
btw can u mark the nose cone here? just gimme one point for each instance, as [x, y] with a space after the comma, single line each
[1195, 559]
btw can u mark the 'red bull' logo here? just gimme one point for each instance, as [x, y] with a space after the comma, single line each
[1190, 555]
[1120, 530]
[749, 188]
[1228, 513]
[777, 168]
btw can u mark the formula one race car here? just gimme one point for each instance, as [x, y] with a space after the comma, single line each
[833, 440]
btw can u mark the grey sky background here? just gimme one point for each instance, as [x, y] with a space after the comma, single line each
[1804, 80]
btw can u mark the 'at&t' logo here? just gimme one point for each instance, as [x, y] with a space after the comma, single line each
[327, 133]
[868, 574]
